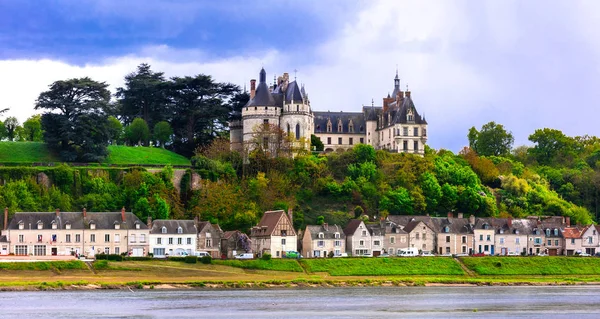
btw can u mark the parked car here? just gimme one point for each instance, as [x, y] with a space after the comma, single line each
[341, 255]
[292, 254]
[367, 255]
[582, 254]
[408, 252]
[201, 253]
[461, 255]
[245, 256]
[512, 253]
[542, 254]
[479, 255]
[426, 254]
[384, 255]
[444, 255]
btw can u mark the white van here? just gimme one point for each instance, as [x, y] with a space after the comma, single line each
[245, 256]
[408, 252]
[201, 254]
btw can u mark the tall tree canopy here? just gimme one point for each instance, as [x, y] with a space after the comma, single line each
[493, 139]
[75, 124]
[143, 96]
[32, 128]
[549, 144]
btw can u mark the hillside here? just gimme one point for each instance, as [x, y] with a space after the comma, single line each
[37, 152]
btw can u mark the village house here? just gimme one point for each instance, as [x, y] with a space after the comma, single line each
[209, 239]
[377, 233]
[323, 241]
[235, 242]
[511, 235]
[395, 238]
[454, 235]
[358, 238]
[573, 240]
[274, 234]
[420, 236]
[589, 240]
[172, 237]
[70, 233]
[554, 240]
[483, 234]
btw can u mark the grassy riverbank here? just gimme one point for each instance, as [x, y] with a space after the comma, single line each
[291, 273]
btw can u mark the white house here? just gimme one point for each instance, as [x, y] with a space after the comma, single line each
[172, 237]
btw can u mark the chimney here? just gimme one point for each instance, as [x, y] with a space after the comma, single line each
[450, 215]
[5, 218]
[252, 88]
[57, 212]
[326, 226]
[84, 212]
[509, 222]
[196, 221]
[460, 215]
[472, 219]
[291, 215]
[149, 222]
[568, 221]
[123, 214]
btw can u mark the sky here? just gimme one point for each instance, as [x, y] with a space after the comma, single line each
[523, 64]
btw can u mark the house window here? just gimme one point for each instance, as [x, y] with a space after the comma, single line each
[489, 237]
[40, 225]
[92, 225]
[351, 141]
[416, 145]
[68, 226]
[364, 233]
[208, 242]
[337, 235]
[54, 238]
[480, 237]
[464, 249]
[21, 250]
[328, 126]
[538, 241]
[337, 243]
[21, 225]
[117, 226]
[283, 233]
[555, 232]
[416, 235]
[517, 240]
[392, 240]
[39, 250]
[590, 240]
[501, 240]
[339, 127]
[573, 241]
[405, 131]
[446, 229]
[132, 238]
[92, 238]
[189, 241]
[142, 238]
[282, 241]
[106, 250]
[549, 242]
[170, 240]
[321, 235]
[117, 238]
[464, 239]
[321, 243]
[351, 128]
[556, 242]
[362, 140]
[117, 250]
[159, 251]
[377, 243]
[424, 236]
[447, 250]
[179, 230]
[403, 239]
[486, 248]
[416, 131]
[179, 241]
[405, 146]
[164, 230]
[68, 238]
[410, 117]
[39, 238]
[391, 251]
[21, 238]
[339, 140]
[447, 239]
[329, 140]
[424, 131]
[159, 241]
[107, 238]
[547, 232]
[361, 243]
[54, 225]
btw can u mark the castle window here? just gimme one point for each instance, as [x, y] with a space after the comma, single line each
[362, 140]
[266, 107]
[416, 146]
[266, 121]
[288, 128]
[255, 108]
[329, 140]
[415, 131]
[361, 128]
[351, 141]
[424, 132]
[329, 126]
[409, 117]
[265, 142]
[339, 127]
[405, 146]
[351, 127]
[297, 108]
[297, 131]
[405, 131]
[340, 140]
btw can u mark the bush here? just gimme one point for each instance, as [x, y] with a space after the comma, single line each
[206, 260]
[110, 257]
[266, 256]
[191, 259]
[138, 258]
[176, 258]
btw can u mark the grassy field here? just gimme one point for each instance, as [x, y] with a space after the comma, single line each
[25, 152]
[274, 264]
[143, 155]
[542, 266]
[36, 152]
[43, 265]
[383, 266]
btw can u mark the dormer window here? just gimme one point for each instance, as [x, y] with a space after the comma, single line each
[283, 232]
[68, 225]
[339, 126]
[117, 225]
[137, 225]
[164, 230]
[329, 129]
[337, 235]
[54, 226]
[321, 235]
[486, 226]
[555, 232]
[409, 116]
[21, 225]
[179, 230]
[547, 232]
[92, 225]
[446, 229]
[501, 231]
[351, 127]
[40, 225]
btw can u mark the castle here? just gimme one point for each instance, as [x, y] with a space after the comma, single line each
[395, 125]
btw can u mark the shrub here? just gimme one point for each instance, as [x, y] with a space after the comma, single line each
[176, 258]
[191, 259]
[109, 257]
[266, 256]
[206, 260]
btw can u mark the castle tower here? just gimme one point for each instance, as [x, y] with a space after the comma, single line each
[297, 119]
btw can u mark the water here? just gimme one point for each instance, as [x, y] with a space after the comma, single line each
[373, 302]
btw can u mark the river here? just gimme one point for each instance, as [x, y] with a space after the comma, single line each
[372, 302]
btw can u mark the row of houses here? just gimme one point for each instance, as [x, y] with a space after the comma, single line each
[451, 235]
[90, 233]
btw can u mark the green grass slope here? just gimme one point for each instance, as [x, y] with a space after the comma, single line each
[143, 155]
[533, 265]
[25, 152]
[384, 266]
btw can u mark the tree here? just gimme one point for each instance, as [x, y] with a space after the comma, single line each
[549, 143]
[143, 96]
[11, 124]
[162, 133]
[75, 124]
[431, 190]
[316, 144]
[203, 108]
[493, 139]
[33, 128]
[115, 130]
[137, 132]
[2, 131]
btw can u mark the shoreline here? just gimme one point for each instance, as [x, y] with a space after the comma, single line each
[292, 284]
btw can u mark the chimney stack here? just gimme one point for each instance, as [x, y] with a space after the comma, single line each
[290, 215]
[326, 226]
[149, 222]
[460, 215]
[252, 88]
[568, 221]
[5, 218]
[450, 215]
[196, 221]
[84, 212]
[57, 212]
[472, 219]
[509, 222]
[123, 214]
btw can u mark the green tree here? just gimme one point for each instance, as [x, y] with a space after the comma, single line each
[115, 130]
[493, 139]
[3, 132]
[549, 144]
[11, 124]
[162, 133]
[397, 201]
[75, 124]
[316, 144]
[33, 128]
[320, 220]
[431, 190]
[137, 132]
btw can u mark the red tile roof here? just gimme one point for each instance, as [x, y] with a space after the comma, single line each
[573, 232]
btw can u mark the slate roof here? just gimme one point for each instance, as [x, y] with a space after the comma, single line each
[293, 93]
[3, 239]
[103, 220]
[376, 229]
[358, 121]
[352, 226]
[328, 232]
[455, 225]
[400, 115]
[187, 226]
[392, 228]
[404, 220]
